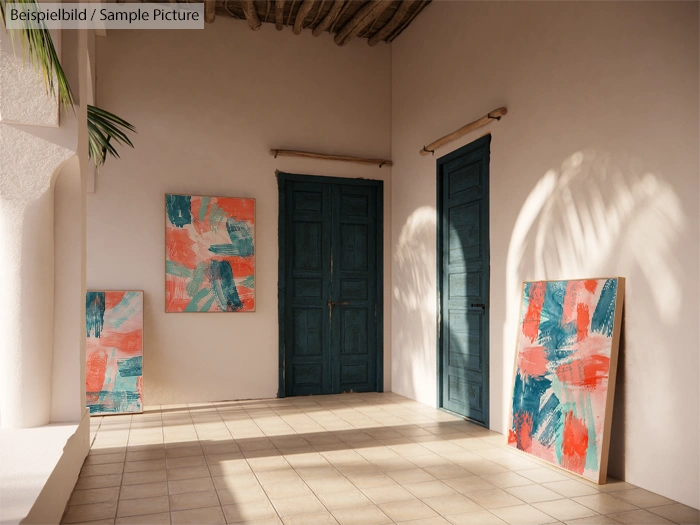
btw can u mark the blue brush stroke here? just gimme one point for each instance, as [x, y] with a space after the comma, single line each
[604, 315]
[220, 276]
[130, 367]
[554, 336]
[545, 413]
[179, 209]
[547, 423]
[94, 313]
[528, 393]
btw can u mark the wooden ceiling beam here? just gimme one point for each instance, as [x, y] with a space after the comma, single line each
[209, 11]
[336, 6]
[408, 20]
[251, 15]
[366, 15]
[304, 10]
[391, 24]
[279, 14]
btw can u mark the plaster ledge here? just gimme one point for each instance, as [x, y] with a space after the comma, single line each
[40, 467]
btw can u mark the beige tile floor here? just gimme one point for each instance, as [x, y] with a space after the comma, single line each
[351, 459]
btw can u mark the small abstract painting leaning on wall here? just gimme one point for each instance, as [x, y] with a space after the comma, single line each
[209, 254]
[114, 352]
[566, 358]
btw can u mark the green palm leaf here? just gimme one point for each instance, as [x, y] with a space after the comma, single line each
[103, 127]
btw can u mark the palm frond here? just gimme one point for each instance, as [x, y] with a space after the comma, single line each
[38, 44]
[104, 126]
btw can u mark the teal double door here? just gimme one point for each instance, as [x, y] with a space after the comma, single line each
[463, 280]
[330, 281]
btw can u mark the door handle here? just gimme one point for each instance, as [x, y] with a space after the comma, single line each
[331, 303]
[479, 305]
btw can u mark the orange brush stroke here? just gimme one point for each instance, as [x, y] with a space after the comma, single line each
[200, 226]
[583, 321]
[179, 247]
[175, 294]
[128, 343]
[575, 444]
[239, 209]
[531, 322]
[587, 373]
[95, 368]
[241, 267]
[112, 299]
[533, 361]
[590, 285]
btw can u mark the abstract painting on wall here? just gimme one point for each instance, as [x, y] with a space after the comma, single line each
[114, 352]
[209, 254]
[565, 364]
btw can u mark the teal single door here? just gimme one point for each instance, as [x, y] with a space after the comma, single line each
[330, 235]
[463, 281]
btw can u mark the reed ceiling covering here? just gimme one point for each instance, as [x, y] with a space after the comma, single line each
[374, 20]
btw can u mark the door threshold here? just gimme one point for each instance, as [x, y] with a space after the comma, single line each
[465, 418]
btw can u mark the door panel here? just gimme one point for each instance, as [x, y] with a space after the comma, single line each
[329, 302]
[463, 269]
[354, 284]
[308, 241]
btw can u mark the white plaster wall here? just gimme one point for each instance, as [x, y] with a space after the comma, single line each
[208, 106]
[68, 378]
[23, 93]
[594, 171]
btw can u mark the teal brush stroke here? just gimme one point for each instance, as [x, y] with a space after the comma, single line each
[124, 310]
[197, 278]
[241, 248]
[176, 269]
[592, 450]
[604, 316]
[248, 282]
[220, 276]
[238, 230]
[216, 215]
[193, 305]
[208, 304]
[94, 313]
[179, 210]
[131, 366]
[204, 204]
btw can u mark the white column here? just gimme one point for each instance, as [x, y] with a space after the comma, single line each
[28, 163]
[26, 277]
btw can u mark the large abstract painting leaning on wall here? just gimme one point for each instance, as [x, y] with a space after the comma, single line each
[114, 352]
[566, 359]
[209, 254]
